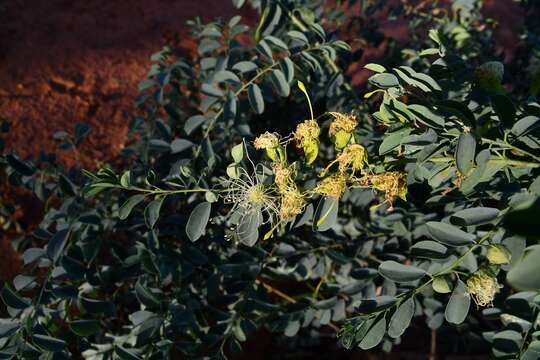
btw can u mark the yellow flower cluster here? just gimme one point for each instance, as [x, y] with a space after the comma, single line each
[307, 138]
[343, 122]
[332, 186]
[292, 203]
[354, 156]
[306, 132]
[351, 158]
[341, 129]
[266, 141]
[393, 183]
[283, 175]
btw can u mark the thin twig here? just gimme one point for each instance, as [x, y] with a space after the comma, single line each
[433, 349]
[287, 298]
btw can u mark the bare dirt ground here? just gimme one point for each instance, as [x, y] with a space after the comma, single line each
[65, 61]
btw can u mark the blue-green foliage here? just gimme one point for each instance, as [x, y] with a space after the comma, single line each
[140, 261]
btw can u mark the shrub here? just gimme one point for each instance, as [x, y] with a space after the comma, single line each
[259, 191]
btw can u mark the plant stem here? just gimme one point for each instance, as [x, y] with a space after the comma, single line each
[433, 348]
[509, 162]
[165, 192]
[509, 146]
[287, 298]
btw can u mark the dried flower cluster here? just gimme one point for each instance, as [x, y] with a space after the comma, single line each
[482, 286]
[343, 122]
[266, 141]
[341, 129]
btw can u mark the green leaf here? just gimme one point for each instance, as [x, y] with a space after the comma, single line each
[67, 187]
[237, 152]
[151, 212]
[270, 19]
[374, 335]
[49, 343]
[376, 304]
[440, 285]
[245, 66]
[193, 123]
[233, 171]
[449, 234]
[226, 76]
[474, 216]
[429, 249]
[93, 306]
[458, 305]
[287, 66]
[179, 145]
[384, 80]
[507, 341]
[401, 318]
[33, 254]
[326, 214]
[421, 80]
[465, 153]
[460, 110]
[22, 282]
[292, 328]
[56, 244]
[426, 116]
[125, 179]
[208, 45]
[525, 125]
[397, 272]
[426, 138]
[247, 229]
[276, 42]
[393, 140]
[211, 90]
[429, 52]
[14, 300]
[8, 328]
[533, 351]
[146, 297]
[280, 83]
[375, 67]
[299, 36]
[198, 220]
[524, 274]
[238, 3]
[126, 354]
[405, 76]
[128, 205]
[22, 167]
[263, 49]
[255, 98]
[84, 327]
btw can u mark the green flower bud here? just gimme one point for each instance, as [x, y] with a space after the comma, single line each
[311, 150]
[341, 139]
[498, 255]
